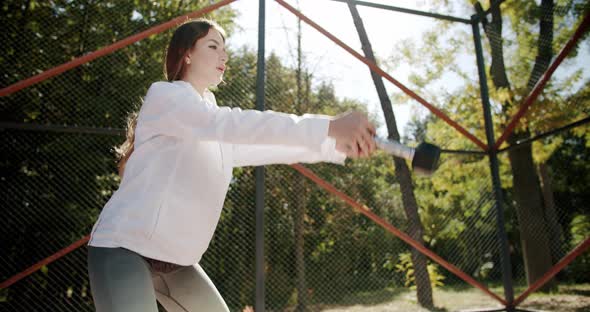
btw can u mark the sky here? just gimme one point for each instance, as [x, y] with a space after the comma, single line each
[327, 61]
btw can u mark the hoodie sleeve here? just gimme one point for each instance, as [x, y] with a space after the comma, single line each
[259, 155]
[174, 110]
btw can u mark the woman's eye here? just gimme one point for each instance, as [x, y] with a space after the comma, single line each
[213, 47]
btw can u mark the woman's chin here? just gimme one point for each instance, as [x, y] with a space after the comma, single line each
[217, 81]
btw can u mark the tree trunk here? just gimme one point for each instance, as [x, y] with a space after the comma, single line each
[527, 190]
[423, 286]
[300, 198]
[299, 226]
[555, 230]
[530, 213]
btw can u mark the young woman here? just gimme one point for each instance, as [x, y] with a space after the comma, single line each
[176, 167]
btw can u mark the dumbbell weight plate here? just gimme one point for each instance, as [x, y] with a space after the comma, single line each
[426, 158]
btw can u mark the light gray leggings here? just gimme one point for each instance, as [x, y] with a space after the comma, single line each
[121, 280]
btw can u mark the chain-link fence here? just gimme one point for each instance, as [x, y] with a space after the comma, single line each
[58, 167]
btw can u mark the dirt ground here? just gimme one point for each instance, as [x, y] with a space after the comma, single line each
[574, 298]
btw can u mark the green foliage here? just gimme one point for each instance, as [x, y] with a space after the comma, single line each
[580, 231]
[456, 203]
[67, 178]
[343, 250]
[405, 266]
[53, 184]
[3, 294]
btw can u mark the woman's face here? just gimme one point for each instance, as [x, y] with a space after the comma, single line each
[206, 61]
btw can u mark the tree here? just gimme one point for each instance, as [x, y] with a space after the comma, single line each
[538, 223]
[302, 104]
[53, 184]
[512, 38]
[424, 290]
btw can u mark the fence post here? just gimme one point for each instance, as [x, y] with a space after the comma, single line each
[493, 157]
[259, 171]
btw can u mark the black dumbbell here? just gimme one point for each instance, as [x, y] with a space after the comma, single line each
[424, 158]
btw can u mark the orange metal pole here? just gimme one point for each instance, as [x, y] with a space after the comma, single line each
[528, 101]
[108, 49]
[383, 74]
[403, 236]
[43, 262]
[580, 249]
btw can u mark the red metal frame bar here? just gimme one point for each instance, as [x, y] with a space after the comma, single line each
[108, 49]
[308, 173]
[528, 101]
[74, 63]
[46, 261]
[383, 74]
[403, 236]
[580, 249]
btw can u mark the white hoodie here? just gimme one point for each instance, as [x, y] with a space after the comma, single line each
[170, 198]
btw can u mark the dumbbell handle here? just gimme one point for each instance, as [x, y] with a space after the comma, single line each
[395, 148]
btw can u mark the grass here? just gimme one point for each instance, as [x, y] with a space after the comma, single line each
[567, 298]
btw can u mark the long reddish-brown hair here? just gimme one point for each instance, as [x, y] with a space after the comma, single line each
[182, 42]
